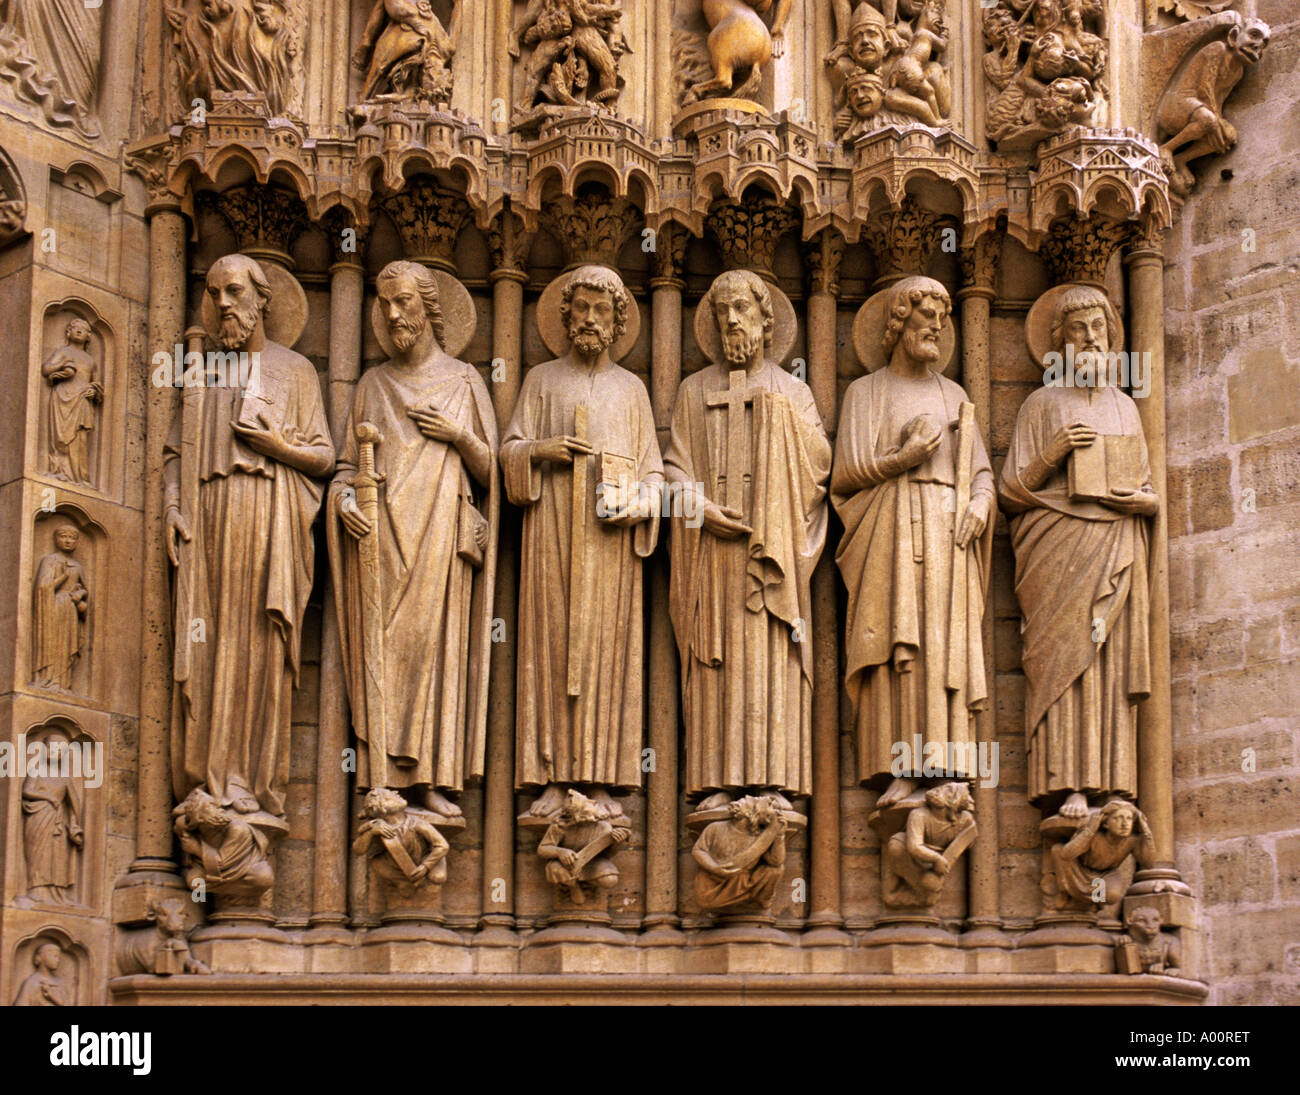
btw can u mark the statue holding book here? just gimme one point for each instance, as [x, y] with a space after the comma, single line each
[1076, 488]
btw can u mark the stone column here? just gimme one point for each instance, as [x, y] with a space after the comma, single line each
[824, 915]
[979, 273]
[661, 918]
[330, 858]
[1145, 261]
[167, 305]
[509, 247]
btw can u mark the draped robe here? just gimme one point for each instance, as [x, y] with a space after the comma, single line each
[1081, 579]
[595, 736]
[437, 606]
[52, 805]
[910, 668]
[741, 609]
[245, 576]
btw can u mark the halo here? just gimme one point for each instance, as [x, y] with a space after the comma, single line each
[459, 317]
[557, 338]
[869, 329]
[286, 314]
[1038, 324]
[784, 327]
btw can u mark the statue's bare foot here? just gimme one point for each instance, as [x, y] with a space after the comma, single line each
[781, 801]
[896, 792]
[548, 802]
[440, 804]
[1074, 806]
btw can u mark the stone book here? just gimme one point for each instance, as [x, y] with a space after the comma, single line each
[1111, 462]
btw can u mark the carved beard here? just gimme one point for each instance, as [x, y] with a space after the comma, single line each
[921, 346]
[739, 346]
[589, 341]
[238, 327]
[406, 333]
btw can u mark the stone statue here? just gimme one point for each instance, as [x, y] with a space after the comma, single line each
[748, 456]
[412, 529]
[52, 826]
[163, 948]
[226, 851]
[1046, 61]
[1092, 870]
[575, 43]
[64, 39]
[913, 485]
[915, 861]
[60, 600]
[241, 472]
[406, 53]
[1144, 948]
[1085, 641]
[581, 459]
[1190, 115]
[574, 845]
[888, 65]
[248, 47]
[741, 858]
[74, 390]
[44, 987]
[731, 46]
[401, 844]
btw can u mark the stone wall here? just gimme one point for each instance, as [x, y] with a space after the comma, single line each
[1233, 351]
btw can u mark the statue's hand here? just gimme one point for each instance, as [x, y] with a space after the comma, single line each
[560, 450]
[360, 58]
[723, 523]
[356, 522]
[1068, 438]
[178, 529]
[567, 858]
[942, 866]
[264, 439]
[1142, 503]
[437, 426]
[919, 443]
[973, 522]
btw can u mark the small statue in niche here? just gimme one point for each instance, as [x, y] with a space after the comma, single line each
[52, 832]
[44, 987]
[1092, 870]
[400, 843]
[574, 844]
[59, 603]
[1047, 60]
[915, 861]
[225, 850]
[722, 51]
[572, 40]
[1191, 117]
[1144, 948]
[406, 52]
[741, 858]
[75, 389]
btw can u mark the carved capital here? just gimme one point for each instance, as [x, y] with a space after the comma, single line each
[591, 227]
[1081, 250]
[903, 239]
[347, 239]
[429, 219]
[508, 243]
[748, 231]
[823, 254]
[980, 261]
[670, 252]
[265, 219]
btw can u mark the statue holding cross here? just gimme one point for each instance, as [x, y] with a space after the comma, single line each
[748, 445]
